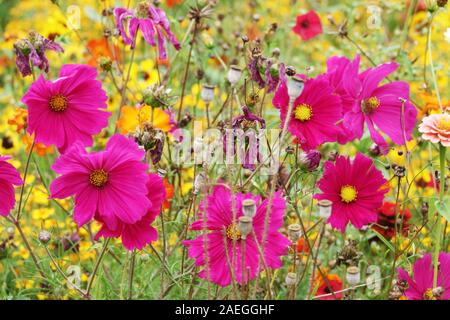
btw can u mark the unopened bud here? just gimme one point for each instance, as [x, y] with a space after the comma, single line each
[325, 208]
[207, 93]
[245, 226]
[291, 279]
[294, 232]
[295, 88]
[44, 237]
[249, 208]
[353, 276]
[234, 74]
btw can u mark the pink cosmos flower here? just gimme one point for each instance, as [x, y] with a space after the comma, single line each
[9, 177]
[308, 25]
[221, 229]
[151, 20]
[141, 233]
[110, 185]
[68, 109]
[315, 114]
[356, 190]
[336, 68]
[420, 287]
[436, 128]
[379, 107]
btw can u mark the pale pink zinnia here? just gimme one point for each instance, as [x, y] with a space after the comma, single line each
[356, 189]
[436, 128]
[315, 114]
[221, 229]
[9, 177]
[420, 286]
[141, 233]
[68, 109]
[110, 185]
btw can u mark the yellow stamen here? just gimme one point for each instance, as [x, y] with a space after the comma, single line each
[428, 295]
[303, 112]
[58, 103]
[98, 178]
[233, 232]
[444, 123]
[348, 193]
[369, 105]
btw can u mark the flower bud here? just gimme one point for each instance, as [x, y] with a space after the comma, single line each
[234, 74]
[294, 232]
[249, 208]
[310, 160]
[245, 226]
[44, 237]
[10, 231]
[291, 279]
[295, 88]
[325, 208]
[353, 276]
[199, 182]
[207, 93]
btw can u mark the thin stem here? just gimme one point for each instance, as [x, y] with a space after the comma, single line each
[131, 278]
[99, 260]
[437, 239]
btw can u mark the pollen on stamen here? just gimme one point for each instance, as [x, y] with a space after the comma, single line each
[98, 178]
[58, 103]
[303, 112]
[370, 104]
[233, 232]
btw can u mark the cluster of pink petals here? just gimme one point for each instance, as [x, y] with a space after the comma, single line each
[325, 107]
[436, 128]
[420, 285]
[308, 25]
[80, 109]
[218, 208]
[339, 99]
[111, 186]
[153, 24]
[368, 182]
[9, 177]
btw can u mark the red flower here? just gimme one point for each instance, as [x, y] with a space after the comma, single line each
[308, 25]
[386, 220]
[326, 289]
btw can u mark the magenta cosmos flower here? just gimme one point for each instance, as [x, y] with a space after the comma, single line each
[420, 287]
[141, 233]
[153, 23]
[315, 114]
[308, 25]
[110, 185]
[9, 177]
[68, 109]
[379, 107]
[221, 229]
[356, 189]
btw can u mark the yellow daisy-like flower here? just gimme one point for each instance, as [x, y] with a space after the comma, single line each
[133, 118]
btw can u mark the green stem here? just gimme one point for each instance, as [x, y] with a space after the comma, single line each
[437, 238]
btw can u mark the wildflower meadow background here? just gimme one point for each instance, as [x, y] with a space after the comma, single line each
[193, 149]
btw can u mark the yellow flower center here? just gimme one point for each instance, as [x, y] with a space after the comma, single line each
[233, 232]
[98, 178]
[348, 193]
[444, 123]
[428, 295]
[369, 105]
[58, 103]
[303, 112]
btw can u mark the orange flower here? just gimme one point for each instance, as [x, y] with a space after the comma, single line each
[101, 48]
[19, 120]
[172, 3]
[302, 246]
[39, 148]
[431, 104]
[135, 117]
[169, 193]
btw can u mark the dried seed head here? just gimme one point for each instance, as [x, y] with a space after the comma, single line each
[245, 225]
[249, 208]
[353, 276]
[294, 232]
[291, 279]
